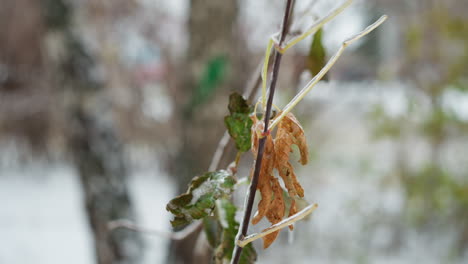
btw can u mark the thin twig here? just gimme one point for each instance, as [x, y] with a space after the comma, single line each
[223, 142]
[317, 25]
[180, 235]
[280, 225]
[261, 144]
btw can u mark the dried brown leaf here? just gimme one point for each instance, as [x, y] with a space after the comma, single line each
[290, 125]
[276, 211]
[276, 155]
[290, 132]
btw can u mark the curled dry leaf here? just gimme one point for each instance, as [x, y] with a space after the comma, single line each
[290, 132]
[276, 155]
[276, 211]
[291, 128]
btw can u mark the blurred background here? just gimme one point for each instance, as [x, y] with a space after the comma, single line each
[109, 107]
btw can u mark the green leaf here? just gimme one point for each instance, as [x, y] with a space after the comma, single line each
[238, 122]
[316, 58]
[223, 253]
[199, 200]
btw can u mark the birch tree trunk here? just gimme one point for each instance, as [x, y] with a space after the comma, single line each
[91, 137]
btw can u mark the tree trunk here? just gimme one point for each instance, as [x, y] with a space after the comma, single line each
[25, 98]
[91, 138]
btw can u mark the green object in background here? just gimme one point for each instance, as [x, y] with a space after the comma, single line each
[238, 122]
[230, 227]
[317, 55]
[212, 76]
[199, 201]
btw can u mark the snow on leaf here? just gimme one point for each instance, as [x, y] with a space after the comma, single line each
[199, 200]
[238, 122]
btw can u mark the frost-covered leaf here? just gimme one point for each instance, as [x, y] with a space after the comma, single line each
[229, 225]
[199, 200]
[238, 121]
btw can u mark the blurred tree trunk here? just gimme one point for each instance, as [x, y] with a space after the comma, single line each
[214, 66]
[90, 135]
[25, 98]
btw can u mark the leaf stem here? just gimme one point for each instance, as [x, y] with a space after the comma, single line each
[280, 225]
[261, 144]
[265, 71]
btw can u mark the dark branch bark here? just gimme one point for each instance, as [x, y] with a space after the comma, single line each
[261, 145]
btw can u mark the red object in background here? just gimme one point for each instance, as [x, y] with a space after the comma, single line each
[150, 72]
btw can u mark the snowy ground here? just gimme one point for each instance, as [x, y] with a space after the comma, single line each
[42, 220]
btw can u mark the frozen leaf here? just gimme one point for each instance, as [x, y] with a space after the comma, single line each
[199, 201]
[238, 122]
[229, 225]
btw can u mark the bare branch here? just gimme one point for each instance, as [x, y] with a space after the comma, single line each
[181, 235]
